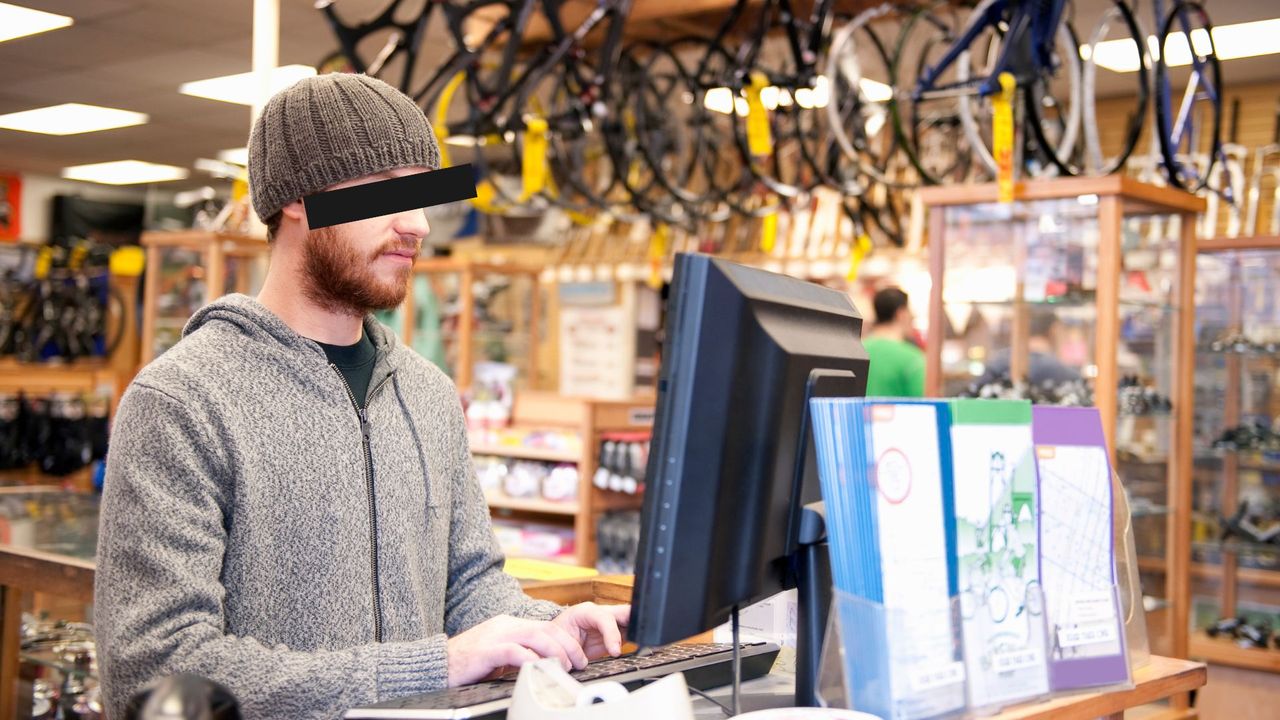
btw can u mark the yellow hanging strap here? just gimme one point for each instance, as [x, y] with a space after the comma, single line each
[44, 262]
[759, 136]
[1002, 136]
[861, 247]
[534, 157]
[657, 253]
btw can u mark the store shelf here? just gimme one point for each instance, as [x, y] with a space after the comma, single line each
[531, 505]
[1248, 354]
[1245, 459]
[525, 453]
[1083, 304]
[1240, 547]
[1225, 652]
[1252, 577]
[1141, 511]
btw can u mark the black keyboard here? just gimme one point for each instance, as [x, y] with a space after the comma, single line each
[705, 666]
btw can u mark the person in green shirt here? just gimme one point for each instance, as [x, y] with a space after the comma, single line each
[897, 364]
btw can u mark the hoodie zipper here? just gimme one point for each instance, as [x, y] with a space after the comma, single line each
[363, 413]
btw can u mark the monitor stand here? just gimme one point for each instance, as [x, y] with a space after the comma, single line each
[813, 591]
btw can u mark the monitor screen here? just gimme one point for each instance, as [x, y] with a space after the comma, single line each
[731, 466]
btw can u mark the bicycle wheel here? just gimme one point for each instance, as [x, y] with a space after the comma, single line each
[384, 46]
[1117, 23]
[929, 130]
[791, 166]
[858, 117]
[1191, 133]
[1051, 96]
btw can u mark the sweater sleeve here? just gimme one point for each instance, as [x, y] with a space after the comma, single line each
[479, 589]
[159, 597]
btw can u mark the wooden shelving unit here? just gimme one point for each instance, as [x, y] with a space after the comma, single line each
[588, 419]
[224, 264]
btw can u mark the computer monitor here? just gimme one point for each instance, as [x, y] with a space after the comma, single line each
[731, 464]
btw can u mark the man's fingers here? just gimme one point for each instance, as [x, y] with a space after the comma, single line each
[621, 613]
[572, 646]
[536, 638]
[513, 655]
[604, 621]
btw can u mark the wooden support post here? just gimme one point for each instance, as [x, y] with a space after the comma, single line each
[937, 316]
[10, 643]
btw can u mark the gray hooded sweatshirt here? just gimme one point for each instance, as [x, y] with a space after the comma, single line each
[258, 531]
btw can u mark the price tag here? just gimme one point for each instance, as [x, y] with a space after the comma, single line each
[938, 676]
[769, 232]
[759, 136]
[1002, 136]
[1016, 660]
[861, 247]
[534, 159]
[1087, 635]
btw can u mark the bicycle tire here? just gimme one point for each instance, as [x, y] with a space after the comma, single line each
[838, 67]
[1168, 149]
[910, 141]
[1093, 162]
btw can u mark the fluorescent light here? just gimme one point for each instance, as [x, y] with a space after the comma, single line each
[16, 22]
[70, 119]
[237, 156]
[243, 88]
[1239, 40]
[124, 172]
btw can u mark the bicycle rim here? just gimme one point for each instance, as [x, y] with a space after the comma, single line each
[1179, 162]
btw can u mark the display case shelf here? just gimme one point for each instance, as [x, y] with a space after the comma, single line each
[1222, 651]
[525, 453]
[499, 501]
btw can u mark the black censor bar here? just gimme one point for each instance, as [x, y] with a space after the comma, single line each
[360, 202]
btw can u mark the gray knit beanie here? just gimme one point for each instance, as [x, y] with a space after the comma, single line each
[331, 128]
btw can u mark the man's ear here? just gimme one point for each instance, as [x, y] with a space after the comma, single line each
[297, 212]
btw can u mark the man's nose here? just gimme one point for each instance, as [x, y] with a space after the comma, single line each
[413, 222]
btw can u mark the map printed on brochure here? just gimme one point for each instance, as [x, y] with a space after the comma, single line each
[1077, 556]
[1001, 599]
[911, 507]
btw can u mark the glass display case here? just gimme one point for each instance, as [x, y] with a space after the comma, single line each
[1077, 293]
[188, 269]
[460, 313]
[48, 665]
[1235, 549]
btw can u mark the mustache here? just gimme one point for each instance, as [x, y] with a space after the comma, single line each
[405, 243]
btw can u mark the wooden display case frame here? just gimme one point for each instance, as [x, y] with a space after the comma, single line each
[1118, 197]
[468, 270]
[1228, 572]
[214, 248]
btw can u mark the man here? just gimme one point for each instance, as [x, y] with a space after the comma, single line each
[897, 365]
[290, 507]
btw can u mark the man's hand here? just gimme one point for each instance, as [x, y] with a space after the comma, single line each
[596, 627]
[505, 641]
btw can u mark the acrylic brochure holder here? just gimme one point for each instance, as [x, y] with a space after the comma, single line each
[873, 661]
[888, 663]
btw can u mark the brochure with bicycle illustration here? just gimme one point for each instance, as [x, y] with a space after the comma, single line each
[997, 551]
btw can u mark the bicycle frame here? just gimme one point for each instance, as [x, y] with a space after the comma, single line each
[1027, 48]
